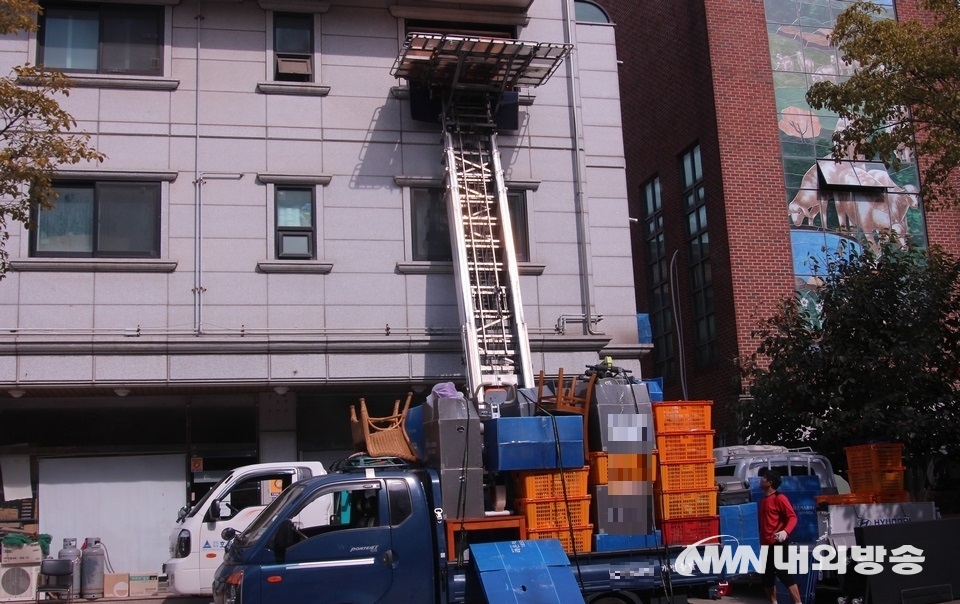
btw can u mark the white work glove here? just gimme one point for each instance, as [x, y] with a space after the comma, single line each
[780, 536]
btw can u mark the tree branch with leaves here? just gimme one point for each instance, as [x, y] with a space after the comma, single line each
[880, 364]
[904, 94]
[37, 136]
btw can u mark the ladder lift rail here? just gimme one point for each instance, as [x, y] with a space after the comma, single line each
[460, 268]
[524, 371]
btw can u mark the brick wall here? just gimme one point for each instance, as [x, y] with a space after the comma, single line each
[699, 71]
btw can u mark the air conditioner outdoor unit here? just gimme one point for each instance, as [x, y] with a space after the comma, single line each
[18, 583]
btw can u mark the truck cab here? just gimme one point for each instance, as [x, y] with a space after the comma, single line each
[378, 544]
[196, 545]
[736, 464]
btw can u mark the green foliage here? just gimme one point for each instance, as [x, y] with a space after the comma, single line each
[904, 94]
[881, 363]
[35, 132]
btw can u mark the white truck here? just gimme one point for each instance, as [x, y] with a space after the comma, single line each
[196, 547]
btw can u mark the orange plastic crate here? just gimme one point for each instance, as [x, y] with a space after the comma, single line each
[876, 481]
[542, 484]
[690, 530]
[598, 468]
[685, 446]
[613, 467]
[891, 497]
[681, 416]
[687, 504]
[845, 499]
[686, 476]
[865, 458]
[582, 537]
[551, 513]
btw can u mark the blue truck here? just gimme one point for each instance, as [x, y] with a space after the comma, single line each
[386, 541]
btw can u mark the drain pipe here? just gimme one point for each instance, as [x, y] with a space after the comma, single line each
[579, 168]
[197, 194]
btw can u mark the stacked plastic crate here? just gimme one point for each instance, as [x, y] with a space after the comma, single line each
[556, 505]
[685, 489]
[877, 470]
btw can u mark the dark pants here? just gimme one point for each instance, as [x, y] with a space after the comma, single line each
[771, 572]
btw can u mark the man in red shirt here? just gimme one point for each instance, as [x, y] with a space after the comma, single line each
[777, 520]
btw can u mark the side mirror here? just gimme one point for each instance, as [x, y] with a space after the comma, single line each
[183, 513]
[219, 510]
[228, 533]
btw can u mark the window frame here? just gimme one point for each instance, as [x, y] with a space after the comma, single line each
[104, 11]
[658, 277]
[694, 204]
[519, 221]
[95, 185]
[280, 231]
[294, 58]
[581, 16]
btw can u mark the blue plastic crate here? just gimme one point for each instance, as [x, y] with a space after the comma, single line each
[644, 331]
[655, 389]
[801, 491]
[740, 521]
[609, 543]
[529, 443]
[414, 427]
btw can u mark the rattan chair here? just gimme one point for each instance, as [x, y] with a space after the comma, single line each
[383, 436]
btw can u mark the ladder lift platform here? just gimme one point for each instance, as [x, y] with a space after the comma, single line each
[468, 77]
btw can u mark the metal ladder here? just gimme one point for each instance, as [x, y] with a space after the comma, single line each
[494, 332]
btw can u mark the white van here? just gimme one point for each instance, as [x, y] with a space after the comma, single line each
[196, 547]
[737, 463]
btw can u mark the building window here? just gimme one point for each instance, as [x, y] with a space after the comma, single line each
[431, 229]
[296, 227]
[108, 38]
[589, 12]
[460, 28]
[293, 47]
[658, 276]
[698, 256]
[99, 219]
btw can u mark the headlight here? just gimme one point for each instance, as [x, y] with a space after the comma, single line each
[234, 588]
[181, 548]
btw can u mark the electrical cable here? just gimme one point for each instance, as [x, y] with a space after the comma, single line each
[566, 501]
[461, 539]
[675, 303]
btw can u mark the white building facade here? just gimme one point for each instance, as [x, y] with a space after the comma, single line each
[257, 250]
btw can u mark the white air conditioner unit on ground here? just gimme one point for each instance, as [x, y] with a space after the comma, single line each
[18, 583]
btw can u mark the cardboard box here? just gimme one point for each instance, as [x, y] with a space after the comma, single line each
[116, 585]
[27, 554]
[144, 584]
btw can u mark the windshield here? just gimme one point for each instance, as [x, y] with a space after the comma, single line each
[199, 505]
[259, 525]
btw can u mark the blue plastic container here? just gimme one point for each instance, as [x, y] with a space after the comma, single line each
[529, 443]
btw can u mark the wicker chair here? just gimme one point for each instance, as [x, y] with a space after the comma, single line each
[383, 436]
[564, 399]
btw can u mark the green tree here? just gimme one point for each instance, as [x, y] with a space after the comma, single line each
[35, 132]
[903, 93]
[881, 363]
